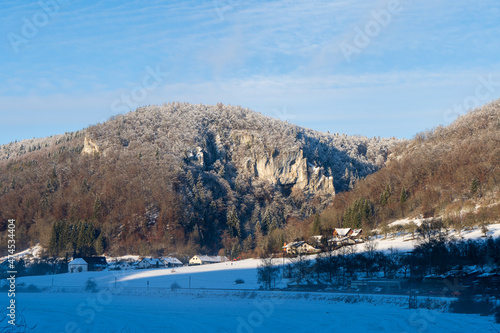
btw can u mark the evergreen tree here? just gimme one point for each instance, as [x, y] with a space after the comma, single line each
[404, 195]
[361, 211]
[233, 223]
[99, 244]
[54, 240]
[97, 208]
[474, 186]
[316, 225]
[384, 197]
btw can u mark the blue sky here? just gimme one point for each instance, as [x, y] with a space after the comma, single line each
[375, 68]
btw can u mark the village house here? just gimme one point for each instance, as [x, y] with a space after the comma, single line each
[203, 260]
[125, 266]
[342, 232]
[299, 248]
[121, 265]
[171, 262]
[151, 263]
[488, 283]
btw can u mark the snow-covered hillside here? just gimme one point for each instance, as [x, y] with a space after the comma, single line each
[405, 241]
[222, 275]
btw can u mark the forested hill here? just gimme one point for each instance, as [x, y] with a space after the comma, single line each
[450, 174]
[177, 178]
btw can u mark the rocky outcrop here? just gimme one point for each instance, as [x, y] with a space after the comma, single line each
[89, 147]
[291, 169]
[284, 168]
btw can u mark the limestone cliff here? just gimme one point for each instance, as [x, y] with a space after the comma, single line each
[89, 147]
[292, 169]
[288, 168]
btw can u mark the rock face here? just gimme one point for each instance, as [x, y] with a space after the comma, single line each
[291, 169]
[89, 147]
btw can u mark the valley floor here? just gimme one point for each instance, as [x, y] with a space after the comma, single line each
[232, 312]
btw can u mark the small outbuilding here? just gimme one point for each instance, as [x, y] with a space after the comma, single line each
[78, 265]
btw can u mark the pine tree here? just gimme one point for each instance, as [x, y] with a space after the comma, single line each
[474, 186]
[316, 225]
[99, 244]
[97, 208]
[403, 196]
[54, 240]
[384, 197]
[233, 223]
[361, 211]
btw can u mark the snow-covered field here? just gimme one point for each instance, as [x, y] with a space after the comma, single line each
[221, 275]
[229, 312]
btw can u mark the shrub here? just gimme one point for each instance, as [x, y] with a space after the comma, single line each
[174, 286]
[239, 281]
[32, 289]
[91, 286]
[467, 304]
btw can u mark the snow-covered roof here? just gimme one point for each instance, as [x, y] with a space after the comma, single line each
[212, 258]
[293, 244]
[78, 261]
[342, 231]
[484, 275]
[171, 260]
[356, 232]
[153, 261]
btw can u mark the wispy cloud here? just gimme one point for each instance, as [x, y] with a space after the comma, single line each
[267, 55]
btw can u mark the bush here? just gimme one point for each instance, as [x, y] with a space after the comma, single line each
[91, 286]
[174, 286]
[32, 289]
[497, 315]
[467, 304]
[239, 281]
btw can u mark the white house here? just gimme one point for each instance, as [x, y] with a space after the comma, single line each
[151, 263]
[125, 266]
[299, 247]
[78, 265]
[172, 262]
[203, 260]
[121, 265]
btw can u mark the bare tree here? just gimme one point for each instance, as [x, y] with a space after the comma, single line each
[267, 273]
